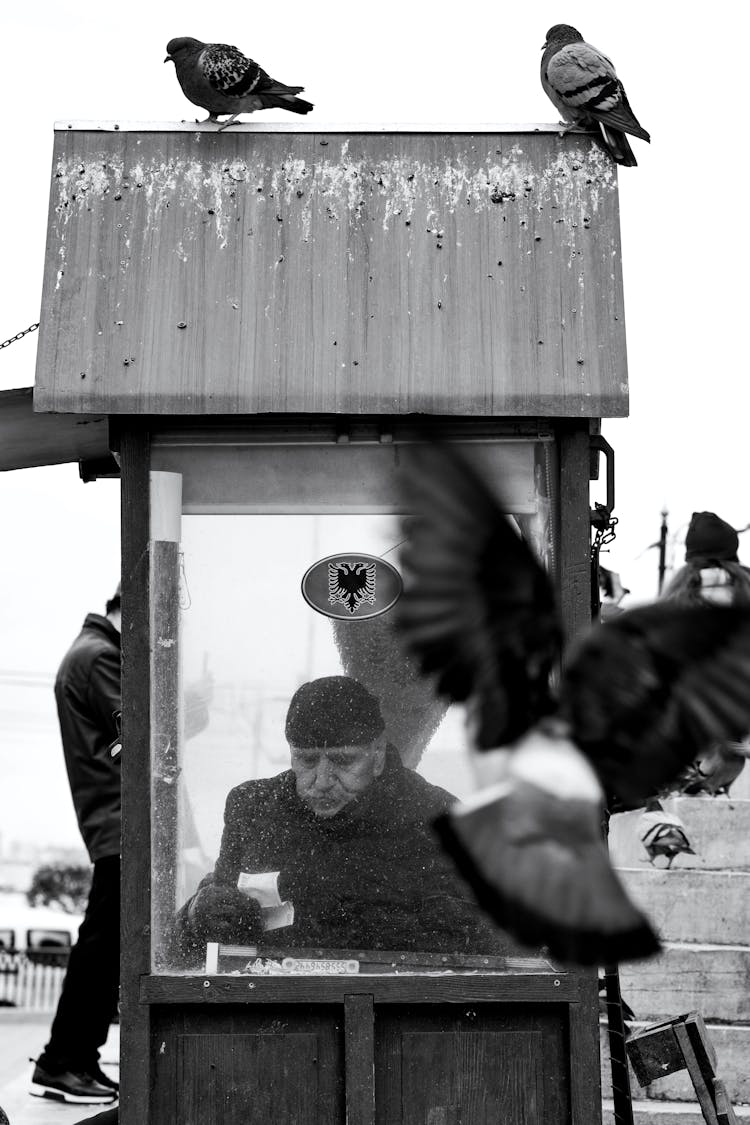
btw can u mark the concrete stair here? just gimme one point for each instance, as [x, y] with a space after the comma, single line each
[708, 978]
[718, 829]
[701, 910]
[668, 1113]
[706, 907]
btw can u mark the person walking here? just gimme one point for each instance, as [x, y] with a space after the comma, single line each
[87, 692]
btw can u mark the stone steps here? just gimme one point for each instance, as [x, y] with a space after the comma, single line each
[710, 907]
[707, 978]
[732, 1044]
[718, 829]
[668, 1113]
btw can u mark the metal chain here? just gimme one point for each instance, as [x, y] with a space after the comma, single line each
[19, 335]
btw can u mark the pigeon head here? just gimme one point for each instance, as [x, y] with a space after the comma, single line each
[182, 47]
[560, 34]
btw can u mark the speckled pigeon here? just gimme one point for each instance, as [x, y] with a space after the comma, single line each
[582, 83]
[219, 78]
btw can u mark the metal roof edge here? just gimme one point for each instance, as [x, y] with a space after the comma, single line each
[65, 125]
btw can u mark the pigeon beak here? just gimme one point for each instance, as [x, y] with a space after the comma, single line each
[169, 59]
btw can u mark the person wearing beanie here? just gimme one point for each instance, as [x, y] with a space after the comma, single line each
[712, 575]
[345, 837]
[712, 570]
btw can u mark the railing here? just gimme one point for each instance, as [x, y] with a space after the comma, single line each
[31, 980]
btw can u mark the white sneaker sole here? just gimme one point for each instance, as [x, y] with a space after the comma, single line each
[38, 1091]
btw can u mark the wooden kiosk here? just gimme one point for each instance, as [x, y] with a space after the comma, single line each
[262, 315]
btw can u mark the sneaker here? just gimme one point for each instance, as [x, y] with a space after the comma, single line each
[95, 1071]
[68, 1086]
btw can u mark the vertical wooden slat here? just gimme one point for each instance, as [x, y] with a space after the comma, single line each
[574, 571]
[136, 842]
[585, 1073]
[359, 1056]
[574, 577]
[165, 579]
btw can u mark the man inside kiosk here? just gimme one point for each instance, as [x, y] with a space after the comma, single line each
[336, 851]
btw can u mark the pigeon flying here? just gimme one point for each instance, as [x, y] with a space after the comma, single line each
[221, 79]
[582, 83]
[638, 699]
[715, 769]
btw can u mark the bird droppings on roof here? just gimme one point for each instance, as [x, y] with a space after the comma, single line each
[350, 187]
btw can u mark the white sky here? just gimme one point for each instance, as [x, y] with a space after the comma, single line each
[685, 249]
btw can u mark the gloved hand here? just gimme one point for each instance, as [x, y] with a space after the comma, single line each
[220, 913]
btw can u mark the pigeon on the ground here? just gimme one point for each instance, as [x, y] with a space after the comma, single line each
[663, 835]
[219, 78]
[638, 699]
[582, 83]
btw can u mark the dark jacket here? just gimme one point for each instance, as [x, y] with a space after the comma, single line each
[87, 690]
[371, 877]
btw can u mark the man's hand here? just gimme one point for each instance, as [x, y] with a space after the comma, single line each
[224, 914]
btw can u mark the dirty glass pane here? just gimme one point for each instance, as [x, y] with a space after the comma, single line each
[292, 831]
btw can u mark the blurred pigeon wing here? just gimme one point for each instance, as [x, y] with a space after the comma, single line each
[539, 867]
[478, 609]
[646, 693]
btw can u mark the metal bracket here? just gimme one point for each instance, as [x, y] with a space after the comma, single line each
[601, 513]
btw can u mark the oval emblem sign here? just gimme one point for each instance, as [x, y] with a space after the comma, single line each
[351, 586]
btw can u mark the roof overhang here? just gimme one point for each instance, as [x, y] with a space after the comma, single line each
[28, 440]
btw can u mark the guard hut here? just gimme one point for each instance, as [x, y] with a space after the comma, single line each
[261, 315]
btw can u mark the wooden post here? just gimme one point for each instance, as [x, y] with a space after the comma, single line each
[135, 927]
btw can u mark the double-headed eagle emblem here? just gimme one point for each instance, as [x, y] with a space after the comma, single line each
[351, 583]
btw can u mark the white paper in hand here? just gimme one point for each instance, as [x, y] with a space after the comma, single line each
[263, 886]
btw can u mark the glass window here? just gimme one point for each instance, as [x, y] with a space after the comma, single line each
[300, 759]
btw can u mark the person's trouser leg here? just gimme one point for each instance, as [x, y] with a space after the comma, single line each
[88, 1001]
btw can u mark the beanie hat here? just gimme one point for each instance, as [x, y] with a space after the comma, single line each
[710, 539]
[333, 711]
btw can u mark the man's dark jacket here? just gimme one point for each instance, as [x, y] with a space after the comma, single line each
[87, 690]
[370, 877]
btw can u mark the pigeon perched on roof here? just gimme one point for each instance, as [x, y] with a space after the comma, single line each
[638, 699]
[582, 83]
[219, 78]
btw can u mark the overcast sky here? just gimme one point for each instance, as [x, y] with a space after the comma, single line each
[685, 250]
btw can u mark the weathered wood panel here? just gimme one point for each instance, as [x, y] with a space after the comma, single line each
[510, 988]
[454, 273]
[245, 1067]
[478, 1064]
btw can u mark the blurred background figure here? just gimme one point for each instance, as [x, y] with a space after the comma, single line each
[712, 574]
[611, 593]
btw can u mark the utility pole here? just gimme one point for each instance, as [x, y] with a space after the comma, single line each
[662, 548]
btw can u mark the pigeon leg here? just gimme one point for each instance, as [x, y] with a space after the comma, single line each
[230, 121]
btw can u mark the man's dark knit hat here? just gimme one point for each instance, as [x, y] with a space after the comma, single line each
[710, 539]
[333, 711]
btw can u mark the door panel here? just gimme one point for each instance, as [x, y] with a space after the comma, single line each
[479, 1065]
[249, 1068]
